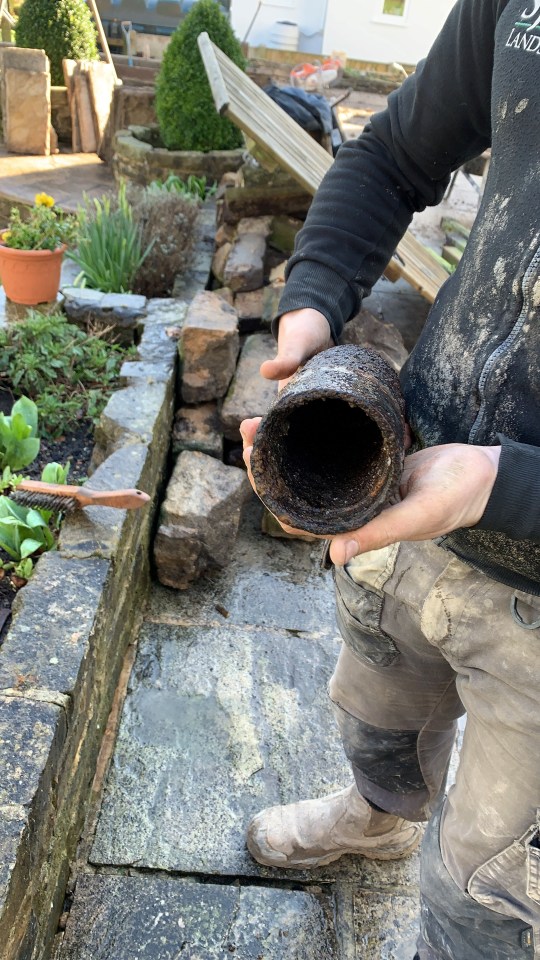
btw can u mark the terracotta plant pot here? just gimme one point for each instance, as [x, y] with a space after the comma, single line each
[328, 456]
[30, 277]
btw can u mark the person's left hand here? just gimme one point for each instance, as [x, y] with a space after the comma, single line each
[442, 488]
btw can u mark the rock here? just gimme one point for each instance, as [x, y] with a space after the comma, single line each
[198, 428]
[271, 298]
[208, 348]
[249, 304]
[245, 264]
[365, 330]
[199, 518]
[219, 260]
[124, 312]
[225, 294]
[250, 395]
[283, 233]
[225, 234]
[262, 226]
[277, 275]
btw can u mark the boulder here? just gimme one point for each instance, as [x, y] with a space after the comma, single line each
[244, 269]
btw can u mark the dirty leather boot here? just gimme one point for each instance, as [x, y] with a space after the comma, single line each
[313, 833]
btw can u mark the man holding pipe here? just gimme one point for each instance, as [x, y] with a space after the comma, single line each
[438, 598]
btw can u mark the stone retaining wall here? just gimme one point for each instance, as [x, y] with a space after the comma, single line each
[62, 656]
[138, 160]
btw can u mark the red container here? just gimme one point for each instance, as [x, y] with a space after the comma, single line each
[30, 277]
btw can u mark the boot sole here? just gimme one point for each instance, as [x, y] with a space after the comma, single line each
[331, 858]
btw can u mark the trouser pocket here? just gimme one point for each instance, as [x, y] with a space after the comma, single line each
[509, 882]
[359, 611]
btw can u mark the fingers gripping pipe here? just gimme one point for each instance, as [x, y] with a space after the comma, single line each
[328, 456]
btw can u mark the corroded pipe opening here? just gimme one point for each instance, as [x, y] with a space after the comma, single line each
[329, 454]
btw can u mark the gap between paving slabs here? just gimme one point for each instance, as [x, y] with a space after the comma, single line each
[61, 658]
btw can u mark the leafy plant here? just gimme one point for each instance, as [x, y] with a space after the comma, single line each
[68, 371]
[23, 530]
[46, 228]
[63, 28]
[9, 480]
[195, 188]
[19, 442]
[109, 245]
[188, 119]
[55, 473]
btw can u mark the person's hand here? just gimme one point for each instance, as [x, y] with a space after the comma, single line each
[442, 488]
[301, 334]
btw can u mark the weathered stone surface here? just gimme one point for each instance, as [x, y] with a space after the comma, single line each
[365, 330]
[259, 225]
[199, 518]
[219, 722]
[139, 372]
[159, 341]
[277, 274]
[53, 619]
[155, 918]
[130, 417]
[275, 583]
[225, 234]
[249, 395]
[273, 528]
[283, 233]
[225, 294]
[249, 305]
[140, 161]
[23, 58]
[124, 312]
[27, 120]
[97, 531]
[244, 269]
[208, 348]
[258, 201]
[198, 428]
[219, 260]
[28, 731]
[271, 298]
[385, 925]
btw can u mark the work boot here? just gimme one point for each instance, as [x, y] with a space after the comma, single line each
[313, 833]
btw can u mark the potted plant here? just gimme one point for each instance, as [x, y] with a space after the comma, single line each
[31, 252]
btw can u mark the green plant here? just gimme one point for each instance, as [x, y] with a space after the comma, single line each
[188, 119]
[19, 442]
[63, 28]
[109, 245]
[194, 188]
[46, 228]
[23, 530]
[67, 371]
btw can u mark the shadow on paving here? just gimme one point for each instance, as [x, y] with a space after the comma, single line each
[227, 713]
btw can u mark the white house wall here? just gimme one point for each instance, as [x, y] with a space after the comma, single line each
[308, 14]
[358, 28]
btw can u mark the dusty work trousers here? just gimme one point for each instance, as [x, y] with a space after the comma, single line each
[427, 638]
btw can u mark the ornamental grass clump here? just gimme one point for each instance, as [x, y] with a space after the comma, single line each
[188, 119]
[62, 28]
[110, 248]
[45, 228]
[167, 220]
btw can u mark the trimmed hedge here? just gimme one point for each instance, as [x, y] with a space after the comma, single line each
[188, 119]
[63, 28]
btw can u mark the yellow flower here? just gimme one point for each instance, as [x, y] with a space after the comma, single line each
[6, 235]
[43, 200]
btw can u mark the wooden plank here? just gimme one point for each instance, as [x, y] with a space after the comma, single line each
[101, 79]
[101, 33]
[240, 99]
[69, 69]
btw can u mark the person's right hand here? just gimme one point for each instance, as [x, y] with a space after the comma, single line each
[302, 334]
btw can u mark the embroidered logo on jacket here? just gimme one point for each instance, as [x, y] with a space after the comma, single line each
[525, 34]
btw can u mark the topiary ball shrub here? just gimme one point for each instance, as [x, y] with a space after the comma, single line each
[188, 119]
[62, 28]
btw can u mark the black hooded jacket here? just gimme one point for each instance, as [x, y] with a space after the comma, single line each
[474, 375]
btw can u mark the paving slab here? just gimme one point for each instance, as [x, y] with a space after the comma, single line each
[218, 723]
[150, 918]
[385, 925]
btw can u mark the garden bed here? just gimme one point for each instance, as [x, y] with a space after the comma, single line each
[61, 656]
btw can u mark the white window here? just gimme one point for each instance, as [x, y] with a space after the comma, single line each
[392, 11]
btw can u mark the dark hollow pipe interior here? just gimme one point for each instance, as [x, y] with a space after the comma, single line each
[329, 453]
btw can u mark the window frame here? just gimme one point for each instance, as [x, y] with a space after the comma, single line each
[391, 19]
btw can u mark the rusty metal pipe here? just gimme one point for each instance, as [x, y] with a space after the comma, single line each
[328, 456]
